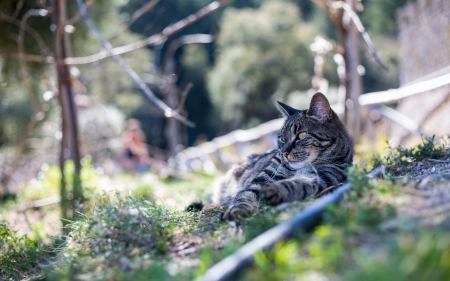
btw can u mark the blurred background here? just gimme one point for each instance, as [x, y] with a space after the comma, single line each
[221, 65]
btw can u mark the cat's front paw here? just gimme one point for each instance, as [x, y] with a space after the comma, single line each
[236, 212]
[273, 195]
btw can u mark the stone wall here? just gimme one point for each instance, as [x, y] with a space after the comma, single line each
[424, 38]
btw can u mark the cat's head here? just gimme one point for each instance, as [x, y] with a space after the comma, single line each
[313, 136]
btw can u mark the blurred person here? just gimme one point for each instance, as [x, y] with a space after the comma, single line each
[134, 157]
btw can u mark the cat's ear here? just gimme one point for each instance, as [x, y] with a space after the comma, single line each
[320, 108]
[286, 110]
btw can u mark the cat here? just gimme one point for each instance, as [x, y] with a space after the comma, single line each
[314, 151]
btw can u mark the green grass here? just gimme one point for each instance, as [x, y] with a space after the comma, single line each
[19, 255]
[361, 239]
[143, 232]
[401, 159]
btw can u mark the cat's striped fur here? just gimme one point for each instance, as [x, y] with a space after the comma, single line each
[314, 150]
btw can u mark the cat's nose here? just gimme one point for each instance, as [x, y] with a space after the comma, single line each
[285, 154]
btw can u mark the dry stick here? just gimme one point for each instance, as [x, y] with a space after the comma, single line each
[154, 39]
[326, 190]
[186, 39]
[168, 112]
[28, 57]
[23, 67]
[136, 15]
[184, 96]
[32, 32]
[400, 119]
[18, 8]
[154, 20]
[77, 16]
[361, 29]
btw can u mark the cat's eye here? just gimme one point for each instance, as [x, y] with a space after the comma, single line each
[282, 139]
[302, 135]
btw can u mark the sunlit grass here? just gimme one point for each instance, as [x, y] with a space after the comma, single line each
[136, 227]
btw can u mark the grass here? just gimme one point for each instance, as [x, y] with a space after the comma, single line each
[19, 255]
[401, 159]
[136, 228]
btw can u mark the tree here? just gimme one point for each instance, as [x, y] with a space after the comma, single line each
[263, 55]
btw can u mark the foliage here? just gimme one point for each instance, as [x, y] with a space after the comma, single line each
[401, 159]
[263, 55]
[379, 16]
[117, 234]
[19, 255]
[105, 80]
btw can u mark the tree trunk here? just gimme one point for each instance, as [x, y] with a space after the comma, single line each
[353, 83]
[69, 141]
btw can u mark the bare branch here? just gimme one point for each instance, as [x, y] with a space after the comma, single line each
[18, 8]
[400, 119]
[361, 29]
[23, 67]
[136, 15]
[31, 31]
[187, 39]
[154, 39]
[77, 16]
[184, 96]
[168, 112]
[28, 57]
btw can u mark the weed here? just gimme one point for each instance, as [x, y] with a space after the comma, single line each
[19, 256]
[401, 160]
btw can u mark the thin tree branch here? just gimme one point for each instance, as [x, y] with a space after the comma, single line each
[154, 20]
[77, 16]
[168, 112]
[400, 119]
[28, 57]
[31, 31]
[136, 15]
[184, 96]
[154, 39]
[23, 66]
[18, 8]
[186, 39]
[359, 26]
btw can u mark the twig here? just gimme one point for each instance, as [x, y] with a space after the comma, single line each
[77, 16]
[38, 203]
[154, 39]
[23, 67]
[29, 57]
[18, 8]
[31, 31]
[400, 119]
[359, 26]
[184, 96]
[168, 112]
[136, 15]
[154, 20]
[328, 189]
[186, 39]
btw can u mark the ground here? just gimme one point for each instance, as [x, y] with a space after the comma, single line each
[392, 228]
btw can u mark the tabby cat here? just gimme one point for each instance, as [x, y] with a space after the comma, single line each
[314, 150]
